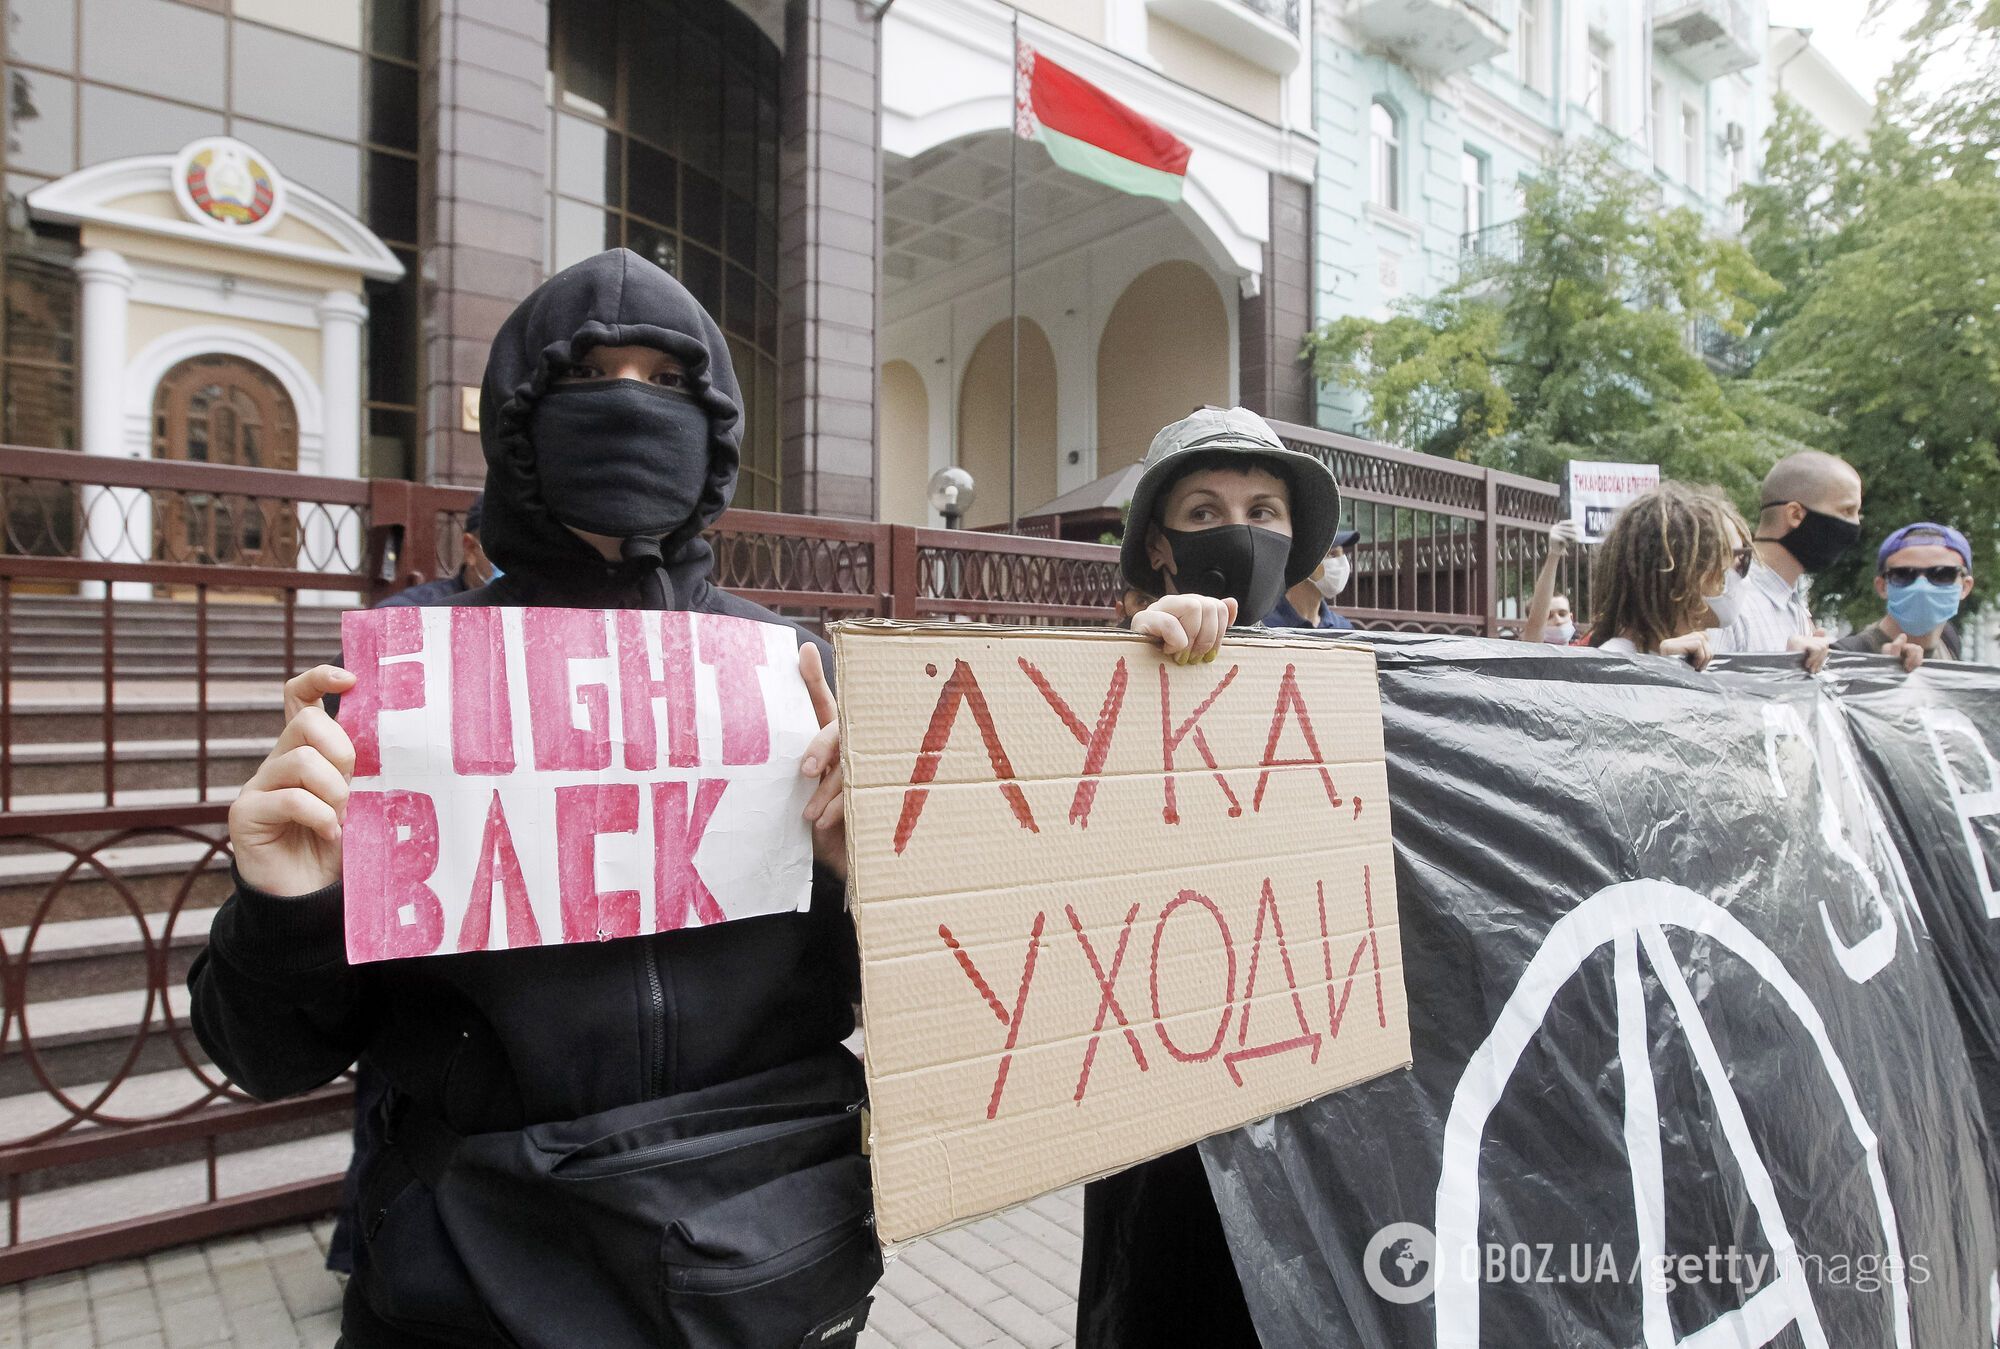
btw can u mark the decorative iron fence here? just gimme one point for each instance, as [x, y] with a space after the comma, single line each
[148, 614]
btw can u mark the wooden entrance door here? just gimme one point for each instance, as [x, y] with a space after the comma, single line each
[225, 410]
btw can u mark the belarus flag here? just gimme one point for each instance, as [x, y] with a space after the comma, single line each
[1089, 132]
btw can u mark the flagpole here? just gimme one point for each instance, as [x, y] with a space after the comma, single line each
[1014, 291]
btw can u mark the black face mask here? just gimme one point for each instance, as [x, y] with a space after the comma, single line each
[1819, 540]
[1239, 562]
[618, 457]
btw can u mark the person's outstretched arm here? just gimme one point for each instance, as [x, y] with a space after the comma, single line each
[274, 1000]
[1561, 535]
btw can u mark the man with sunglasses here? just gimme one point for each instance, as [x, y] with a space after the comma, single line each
[1923, 572]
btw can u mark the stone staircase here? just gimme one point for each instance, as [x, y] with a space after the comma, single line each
[62, 637]
[91, 944]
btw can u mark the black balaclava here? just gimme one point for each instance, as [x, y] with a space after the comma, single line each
[1819, 540]
[646, 464]
[1240, 562]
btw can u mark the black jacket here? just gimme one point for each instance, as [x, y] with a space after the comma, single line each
[502, 1040]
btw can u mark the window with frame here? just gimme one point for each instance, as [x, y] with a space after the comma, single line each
[1528, 44]
[1691, 144]
[1472, 182]
[1662, 128]
[1598, 93]
[1385, 158]
[665, 131]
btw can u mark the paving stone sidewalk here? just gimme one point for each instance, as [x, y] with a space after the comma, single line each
[1009, 1280]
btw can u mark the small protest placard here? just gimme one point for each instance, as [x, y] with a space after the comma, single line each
[528, 777]
[1598, 491]
[1107, 904]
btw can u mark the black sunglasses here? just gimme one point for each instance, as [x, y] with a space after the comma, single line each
[1946, 575]
[1744, 557]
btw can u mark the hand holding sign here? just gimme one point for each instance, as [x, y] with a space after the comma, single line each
[284, 827]
[827, 811]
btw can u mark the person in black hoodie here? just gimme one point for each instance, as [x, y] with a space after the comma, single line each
[647, 1141]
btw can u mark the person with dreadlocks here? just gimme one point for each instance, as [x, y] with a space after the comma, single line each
[1672, 567]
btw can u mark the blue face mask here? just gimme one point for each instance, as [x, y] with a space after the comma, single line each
[1922, 606]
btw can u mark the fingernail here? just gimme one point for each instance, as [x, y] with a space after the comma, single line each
[810, 766]
[1209, 659]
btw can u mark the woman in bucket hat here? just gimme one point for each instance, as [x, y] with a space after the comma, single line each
[1224, 520]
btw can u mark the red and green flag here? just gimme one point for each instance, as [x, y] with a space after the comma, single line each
[1089, 132]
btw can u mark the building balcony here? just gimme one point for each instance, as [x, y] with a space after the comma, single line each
[1707, 38]
[1495, 244]
[1264, 32]
[1727, 354]
[1439, 36]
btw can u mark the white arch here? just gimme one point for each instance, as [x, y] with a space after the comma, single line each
[144, 372]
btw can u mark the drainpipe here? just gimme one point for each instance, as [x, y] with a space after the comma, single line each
[1560, 68]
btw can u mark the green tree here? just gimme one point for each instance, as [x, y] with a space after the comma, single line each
[1900, 338]
[1888, 320]
[1580, 346]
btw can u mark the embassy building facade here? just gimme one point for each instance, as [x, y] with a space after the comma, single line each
[282, 232]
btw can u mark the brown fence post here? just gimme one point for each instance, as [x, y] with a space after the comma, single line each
[903, 579]
[388, 535]
[1489, 556]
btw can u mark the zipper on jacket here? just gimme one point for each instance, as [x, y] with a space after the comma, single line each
[656, 1071]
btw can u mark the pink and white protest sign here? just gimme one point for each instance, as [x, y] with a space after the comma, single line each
[527, 777]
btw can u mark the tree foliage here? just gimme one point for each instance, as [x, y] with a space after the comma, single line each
[1889, 317]
[1578, 346]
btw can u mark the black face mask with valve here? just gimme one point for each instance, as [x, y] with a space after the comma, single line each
[1239, 562]
[620, 458]
[1820, 538]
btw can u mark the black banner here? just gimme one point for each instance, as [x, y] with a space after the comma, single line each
[1688, 1069]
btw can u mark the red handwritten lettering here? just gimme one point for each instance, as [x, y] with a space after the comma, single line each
[1336, 1010]
[1096, 741]
[674, 686]
[380, 685]
[962, 687]
[1307, 1037]
[1289, 697]
[482, 721]
[736, 650]
[391, 850]
[679, 893]
[1011, 1022]
[1170, 739]
[1229, 995]
[496, 851]
[1107, 999]
[582, 813]
[551, 639]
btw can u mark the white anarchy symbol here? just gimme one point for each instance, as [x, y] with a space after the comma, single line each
[1629, 916]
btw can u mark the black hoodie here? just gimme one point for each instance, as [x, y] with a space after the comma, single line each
[502, 1040]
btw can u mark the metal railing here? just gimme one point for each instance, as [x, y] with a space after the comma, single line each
[133, 703]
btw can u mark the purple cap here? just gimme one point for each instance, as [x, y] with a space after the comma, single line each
[1942, 535]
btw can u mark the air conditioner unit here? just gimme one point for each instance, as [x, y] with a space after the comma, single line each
[1732, 136]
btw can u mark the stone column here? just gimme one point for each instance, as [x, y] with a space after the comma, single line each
[1273, 324]
[118, 521]
[484, 141]
[333, 541]
[829, 275]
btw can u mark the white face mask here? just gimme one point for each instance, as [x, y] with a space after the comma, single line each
[1332, 578]
[1559, 633]
[1728, 606]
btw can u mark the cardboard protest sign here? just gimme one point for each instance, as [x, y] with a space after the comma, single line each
[1596, 492]
[1687, 1067]
[527, 777]
[1106, 904]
